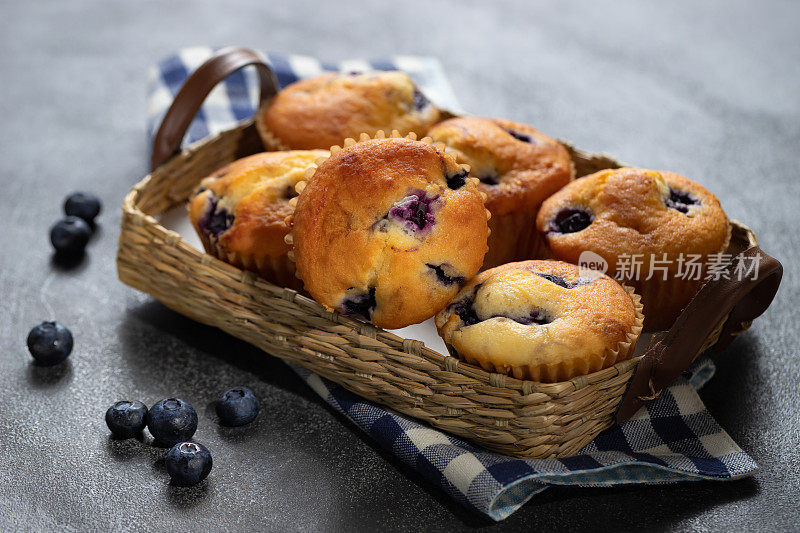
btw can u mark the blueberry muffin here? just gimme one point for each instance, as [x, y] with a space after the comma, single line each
[542, 321]
[322, 112]
[662, 221]
[388, 230]
[518, 167]
[239, 212]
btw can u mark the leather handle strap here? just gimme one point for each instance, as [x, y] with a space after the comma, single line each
[741, 298]
[196, 88]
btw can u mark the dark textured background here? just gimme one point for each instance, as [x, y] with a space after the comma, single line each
[711, 90]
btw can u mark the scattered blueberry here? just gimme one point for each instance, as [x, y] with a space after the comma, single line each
[83, 205]
[70, 235]
[458, 180]
[237, 406]
[126, 419]
[188, 463]
[680, 200]
[360, 304]
[50, 343]
[171, 420]
[446, 274]
[571, 221]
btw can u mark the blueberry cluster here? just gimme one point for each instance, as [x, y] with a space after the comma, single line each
[172, 422]
[70, 235]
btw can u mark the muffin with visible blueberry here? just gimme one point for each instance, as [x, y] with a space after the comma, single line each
[518, 168]
[388, 230]
[239, 212]
[324, 111]
[644, 224]
[542, 321]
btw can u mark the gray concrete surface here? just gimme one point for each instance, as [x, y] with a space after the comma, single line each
[706, 89]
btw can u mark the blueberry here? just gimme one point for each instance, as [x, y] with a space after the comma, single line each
[415, 211]
[83, 205]
[446, 274]
[465, 311]
[490, 179]
[571, 221]
[70, 235]
[172, 420]
[126, 419]
[680, 200]
[420, 100]
[50, 343]
[558, 280]
[290, 192]
[360, 304]
[519, 136]
[188, 463]
[535, 316]
[458, 180]
[216, 220]
[237, 406]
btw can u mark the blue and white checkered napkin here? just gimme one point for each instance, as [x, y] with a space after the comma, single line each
[673, 438]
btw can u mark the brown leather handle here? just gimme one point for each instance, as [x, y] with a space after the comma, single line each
[196, 88]
[741, 300]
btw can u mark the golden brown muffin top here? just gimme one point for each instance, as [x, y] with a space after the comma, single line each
[531, 314]
[322, 112]
[518, 166]
[389, 229]
[243, 205]
[630, 211]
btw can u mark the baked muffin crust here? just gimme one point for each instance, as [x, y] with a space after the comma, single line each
[388, 230]
[541, 320]
[517, 165]
[633, 211]
[321, 112]
[239, 211]
[626, 213]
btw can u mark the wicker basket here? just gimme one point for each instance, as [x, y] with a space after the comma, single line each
[520, 418]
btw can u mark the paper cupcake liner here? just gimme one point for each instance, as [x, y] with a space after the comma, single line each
[271, 142]
[513, 238]
[278, 270]
[577, 366]
[664, 299]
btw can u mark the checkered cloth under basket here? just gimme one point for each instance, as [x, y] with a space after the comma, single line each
[673, 438]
